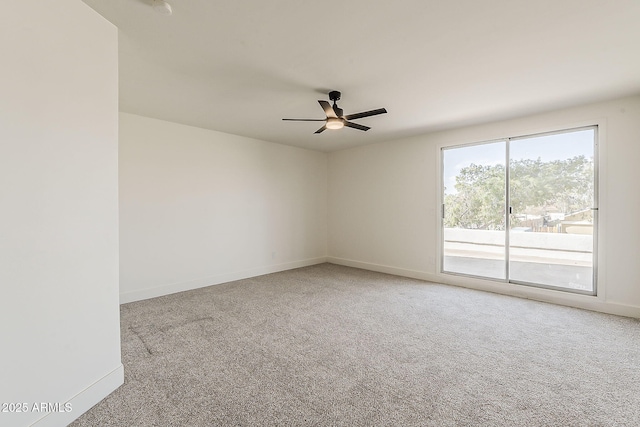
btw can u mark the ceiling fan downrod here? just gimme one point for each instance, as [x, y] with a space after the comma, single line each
[334, 96]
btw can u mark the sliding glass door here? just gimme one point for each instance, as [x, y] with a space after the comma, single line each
[552, 196]
[474, 210]
[523, 210]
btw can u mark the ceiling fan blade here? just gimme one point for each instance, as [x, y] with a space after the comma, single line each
[365, 114]
[356, 126]
[328, 110]
[306, 120]
[322, 129]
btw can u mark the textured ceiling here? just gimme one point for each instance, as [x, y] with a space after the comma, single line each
[242, 66]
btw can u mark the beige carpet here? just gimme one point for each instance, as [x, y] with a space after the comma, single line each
[336, 346]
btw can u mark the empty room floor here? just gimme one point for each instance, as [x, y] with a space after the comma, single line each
[333, 345]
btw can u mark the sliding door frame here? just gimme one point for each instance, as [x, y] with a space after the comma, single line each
[508, 210]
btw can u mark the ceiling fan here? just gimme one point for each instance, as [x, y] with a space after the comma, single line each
[336, 119]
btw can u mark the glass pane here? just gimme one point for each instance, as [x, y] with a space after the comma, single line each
[474, 216]
[551, 185]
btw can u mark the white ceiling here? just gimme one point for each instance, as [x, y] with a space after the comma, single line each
[242, 66]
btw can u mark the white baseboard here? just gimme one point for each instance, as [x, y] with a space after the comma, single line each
[413, 274]
[172, 288]
[84, 400]
[528, 292]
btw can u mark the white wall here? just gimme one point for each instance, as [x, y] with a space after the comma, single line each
[59, 313]
[384, 203]
[199, 207]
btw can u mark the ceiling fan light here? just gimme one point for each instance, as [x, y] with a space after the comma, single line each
[333, 123]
